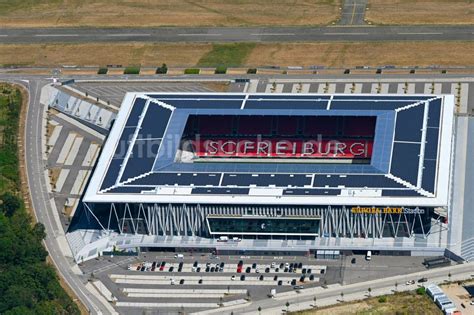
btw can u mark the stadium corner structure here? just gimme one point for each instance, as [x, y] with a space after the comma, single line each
[286, 173]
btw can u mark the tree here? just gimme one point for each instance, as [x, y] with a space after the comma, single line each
[287, 304]
[449, 276]
[248, 295]
[396, 286]
[9, 204]
[259, 309]
[342, 296]
[369, 290]
[221, 301]
[314, 301]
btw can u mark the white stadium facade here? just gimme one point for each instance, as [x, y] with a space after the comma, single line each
[267, 173]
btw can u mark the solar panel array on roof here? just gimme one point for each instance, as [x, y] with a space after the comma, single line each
[410, 131]
[312, 192]
[406, 162]
[184, 179]
[356, 181]
[265, 180]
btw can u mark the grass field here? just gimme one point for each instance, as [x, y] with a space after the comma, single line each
[400, 303]
[228, 55]
[361, 53]
[142, 13]
[330, 54]
[9, 113]
[421, 12]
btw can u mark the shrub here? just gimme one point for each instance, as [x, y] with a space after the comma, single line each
[103, 71]
[252, 71]
[221, 70]
[192, 71]
[420, 291]
[382, 299]
[132, 70]
[162, 70]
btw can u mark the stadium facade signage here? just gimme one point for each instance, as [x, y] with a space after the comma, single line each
[387, 210]
[289, 148]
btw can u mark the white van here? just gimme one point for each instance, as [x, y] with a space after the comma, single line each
[369, 255]
[179, 256]
[223, 239]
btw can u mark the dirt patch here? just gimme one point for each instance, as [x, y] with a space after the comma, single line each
[53, 175]
[399, 303]
[217, 86]
[176, 55]
[362, 53]
[420, 12]
[145, 13]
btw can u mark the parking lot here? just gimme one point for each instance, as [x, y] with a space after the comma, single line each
[194, 281]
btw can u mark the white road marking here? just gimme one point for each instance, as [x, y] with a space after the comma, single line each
[420, 33]
[346, 34]
[56, 35]
[273, 34]
[118, 35]
[199, 34]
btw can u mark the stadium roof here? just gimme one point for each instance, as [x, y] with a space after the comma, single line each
[410, 164]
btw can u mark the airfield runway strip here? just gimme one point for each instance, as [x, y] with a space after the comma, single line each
[237, 34]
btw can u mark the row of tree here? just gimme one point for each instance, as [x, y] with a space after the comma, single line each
[28, 284]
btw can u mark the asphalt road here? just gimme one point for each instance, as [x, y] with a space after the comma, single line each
[40, 197]
[280, 34]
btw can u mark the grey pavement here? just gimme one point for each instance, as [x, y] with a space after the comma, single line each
[238, 34]
[353, 12]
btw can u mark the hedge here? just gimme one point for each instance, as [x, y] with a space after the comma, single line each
[192, 71]
[132, 70]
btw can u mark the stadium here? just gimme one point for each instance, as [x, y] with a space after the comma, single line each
[286, 172]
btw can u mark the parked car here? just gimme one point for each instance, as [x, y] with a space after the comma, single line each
[298, 287]
[273, 265]
[275, 278]
[282, 265]
[181, 281]
[208, 269]
[280, 282]
[242, 278]
[277, 269]
[293, 282]
[260, 278]
[213, 269]
[311, 277]
[198, 269]
[308, 271]
[409, 282]
[254, 265]
[195, 264]
[232, 278]
[353, 261]
[171, 269]
[240, 263]
[300, 265]
[248, 270]
[421, 280]
[303, 270]
[200, 281]
[267, 270]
